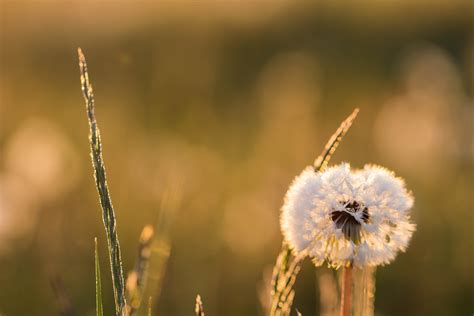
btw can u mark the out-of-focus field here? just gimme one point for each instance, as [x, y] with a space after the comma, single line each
[225, 102]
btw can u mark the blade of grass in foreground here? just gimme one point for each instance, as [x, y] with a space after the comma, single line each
[287, 266]
[98, 284]
[199, 308]
[108, 214]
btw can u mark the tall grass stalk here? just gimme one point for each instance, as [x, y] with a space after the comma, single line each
[287, 265]
[136, 279]
[108, 214]
[98, 283]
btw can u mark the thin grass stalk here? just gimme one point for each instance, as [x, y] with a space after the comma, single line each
[136, 279]
[62, 297]
[161, 246]
[108, 214]
[282, 282]
[98, 283]
[199, 308]
[287, 265]
[149, 306]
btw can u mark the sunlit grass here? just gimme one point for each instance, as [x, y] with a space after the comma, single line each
[98, 283]
[287, 265]
[108, 214]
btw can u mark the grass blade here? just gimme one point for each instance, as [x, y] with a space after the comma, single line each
[199, 308]
[98, 283]
[149, 306]
[136, 279]
[108, 214]
[62, 297]
[328, 285]
[161, 245]
[284, 276]
[322, 161]
[287, 265]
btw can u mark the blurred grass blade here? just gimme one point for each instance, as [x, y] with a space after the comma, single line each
[62, 297]
[199, 308]
[364, 291]
[108, 214]
[161, 245]
[284, 276]
[149, 306]
[287, 266]
[136, 279]
[98, 284]
[328, 291]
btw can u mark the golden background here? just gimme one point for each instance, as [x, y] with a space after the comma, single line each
[222, 103]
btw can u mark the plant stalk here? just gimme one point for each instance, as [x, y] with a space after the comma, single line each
[346, 297]
[108, 213]
[287, 265]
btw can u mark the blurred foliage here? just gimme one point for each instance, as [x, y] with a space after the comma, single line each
[231, 99]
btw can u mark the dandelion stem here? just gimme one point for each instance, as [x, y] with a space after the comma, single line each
[346, 298]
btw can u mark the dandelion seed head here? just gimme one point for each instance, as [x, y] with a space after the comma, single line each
[347, 216]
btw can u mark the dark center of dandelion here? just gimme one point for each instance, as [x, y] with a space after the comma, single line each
[346, 220]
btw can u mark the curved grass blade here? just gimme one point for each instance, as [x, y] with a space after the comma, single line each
[98, 283]
[287, 265]
[108, 214]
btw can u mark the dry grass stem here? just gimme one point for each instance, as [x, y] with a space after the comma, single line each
[161, 247]
[322, 161]
[108, 214]
[287, 265]
[137, 278]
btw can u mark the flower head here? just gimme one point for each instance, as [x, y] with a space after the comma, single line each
[346, 216]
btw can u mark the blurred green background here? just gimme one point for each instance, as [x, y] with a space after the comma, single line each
[223, 103]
